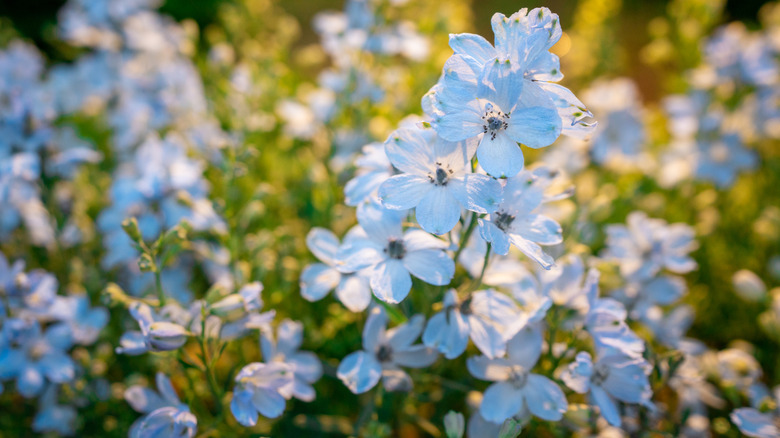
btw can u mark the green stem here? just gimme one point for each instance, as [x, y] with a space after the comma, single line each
[208, 371]
[485, 262]
[158, 284]
[465, 238]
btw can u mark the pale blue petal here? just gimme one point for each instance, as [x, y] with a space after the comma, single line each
[466, 122]
[500, 156]
[430, 265]
[405, 191]
[354, 292]
[500, 402]
[417, 356]
[535, 127]
[323, 244]
[472, 45]
[438, 211]
[359, 371]
[544, 398]
[493, 235]
[390, 281]
[317, 280]
[607, 406]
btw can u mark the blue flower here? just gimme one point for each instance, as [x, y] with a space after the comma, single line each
[393, 254]
[488, 317]
[498, 111]
[165, 415]
[32, 357]
[515, 221]
[516, 390]
[437, 179]
[384, 353]
[258, 390]
[754, 423]
[352, 288]
[306, 367]
[644, 246]
[613, 377]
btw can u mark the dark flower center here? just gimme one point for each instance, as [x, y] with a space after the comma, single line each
[495, 121]
[503, 221]
[600, 374]
[395, 249]
[384, 354]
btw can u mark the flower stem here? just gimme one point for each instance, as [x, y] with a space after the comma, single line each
[465, 238]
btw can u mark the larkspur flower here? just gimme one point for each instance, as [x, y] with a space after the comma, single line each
[614, 377]
[258, 390]
[32, 356]
[515, 220]
[352, 288]
[283, 348]
[436, 181]
[393, 254]
[384, 353]
[165, 414]
[516, 388]
[488, 317]
[645, 246]
[503, 116]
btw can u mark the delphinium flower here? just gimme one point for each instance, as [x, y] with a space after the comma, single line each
[436, 181]
[645, 245]
[757, 423]
[318, 279]
[86, 322]
[496, 111]
[506, 94]
[259, 390]
[611, 377]
[620, 136]
[488, 317]
[53, 416]
[283, 348]
[384, 353]
[393, 254]
[704, 143]
[32, 356]
[164, 413]
[515, 220]
[517, 391]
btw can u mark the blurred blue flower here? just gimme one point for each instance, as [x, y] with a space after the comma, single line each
[384, 353]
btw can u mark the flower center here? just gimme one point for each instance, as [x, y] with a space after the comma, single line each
[384, 354]
[518, 376]
[494, 121]
[600, 374]
[465, 305]
[503, 220]
[441, 176]
[395, 249]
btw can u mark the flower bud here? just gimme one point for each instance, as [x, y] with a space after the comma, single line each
[231, 305]
[130, 225]
[164, 336]
[748, 285]
[454, 424]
